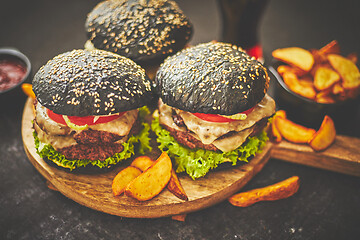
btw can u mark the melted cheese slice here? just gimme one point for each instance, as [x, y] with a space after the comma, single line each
[120, 126]
[57, 141]
[234, 141]
[209, 132]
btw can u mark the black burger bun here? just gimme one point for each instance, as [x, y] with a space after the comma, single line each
[87, 83]
[213, 78]
[141, 30]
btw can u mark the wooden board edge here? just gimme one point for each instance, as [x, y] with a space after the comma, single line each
[346, 161]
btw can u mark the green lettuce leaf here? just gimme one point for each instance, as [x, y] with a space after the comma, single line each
[47, 151]
[197, 162]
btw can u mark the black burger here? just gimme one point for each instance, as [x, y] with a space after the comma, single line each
[87, 108]
[144, 31]
[213, 107]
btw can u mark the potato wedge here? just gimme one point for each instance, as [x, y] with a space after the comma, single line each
[280, 113]
[325, 136]
[347, 70]
[337, 89]
[180, 218]
[123, 178]
[325, 78]
[286, 68]
[175, 187]
[306, 81]
[320, 65]
[280, 190]
[292, 81]
[151, 182]
[276, 136]
[331, 47]
[27, 89]
[142, 163]
[295, 56]
[274, 131]
[319, 58]
[293, 132]
[324, 97]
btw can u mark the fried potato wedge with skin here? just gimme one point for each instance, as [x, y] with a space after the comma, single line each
[320, 55]
[331, 47]
[274, 131]
[280, 113]
[123, 178]
[325, 78]
[306, 82]
[317, 66]
[277, 191]
[337, 89]
[325, 136]
[295, 56]
[324, 97]
[276, 136]
[175, 187]
[319, 58]
[151, 182]
[142, 163]
[347, 70]
[293, 132]
[292, 81]
[27, 89]
[286, 68]
[180, 218]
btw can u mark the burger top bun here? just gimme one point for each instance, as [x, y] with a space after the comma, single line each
[85, 83]
[141, 30]
[216, 78]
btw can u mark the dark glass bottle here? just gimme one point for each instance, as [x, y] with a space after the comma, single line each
[240, 22]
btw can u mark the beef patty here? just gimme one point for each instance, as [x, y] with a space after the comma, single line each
[92, 148]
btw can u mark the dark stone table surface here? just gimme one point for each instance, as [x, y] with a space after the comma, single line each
[327, 205]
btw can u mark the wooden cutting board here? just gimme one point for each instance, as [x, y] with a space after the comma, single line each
[94, 190]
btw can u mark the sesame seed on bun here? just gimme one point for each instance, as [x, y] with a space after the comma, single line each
[87, 83]
[140, 30]
[213, 78]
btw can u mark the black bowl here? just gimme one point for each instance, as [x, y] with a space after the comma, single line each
[346, 114]
[14, 93]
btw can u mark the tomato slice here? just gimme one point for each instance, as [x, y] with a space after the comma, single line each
[248, 111]
[219, 118]
[80, 121]
[89, 120]
[56, 117]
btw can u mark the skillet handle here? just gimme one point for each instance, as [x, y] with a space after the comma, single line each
[342, 156]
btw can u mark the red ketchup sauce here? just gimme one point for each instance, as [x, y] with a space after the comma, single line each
[11, 73]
